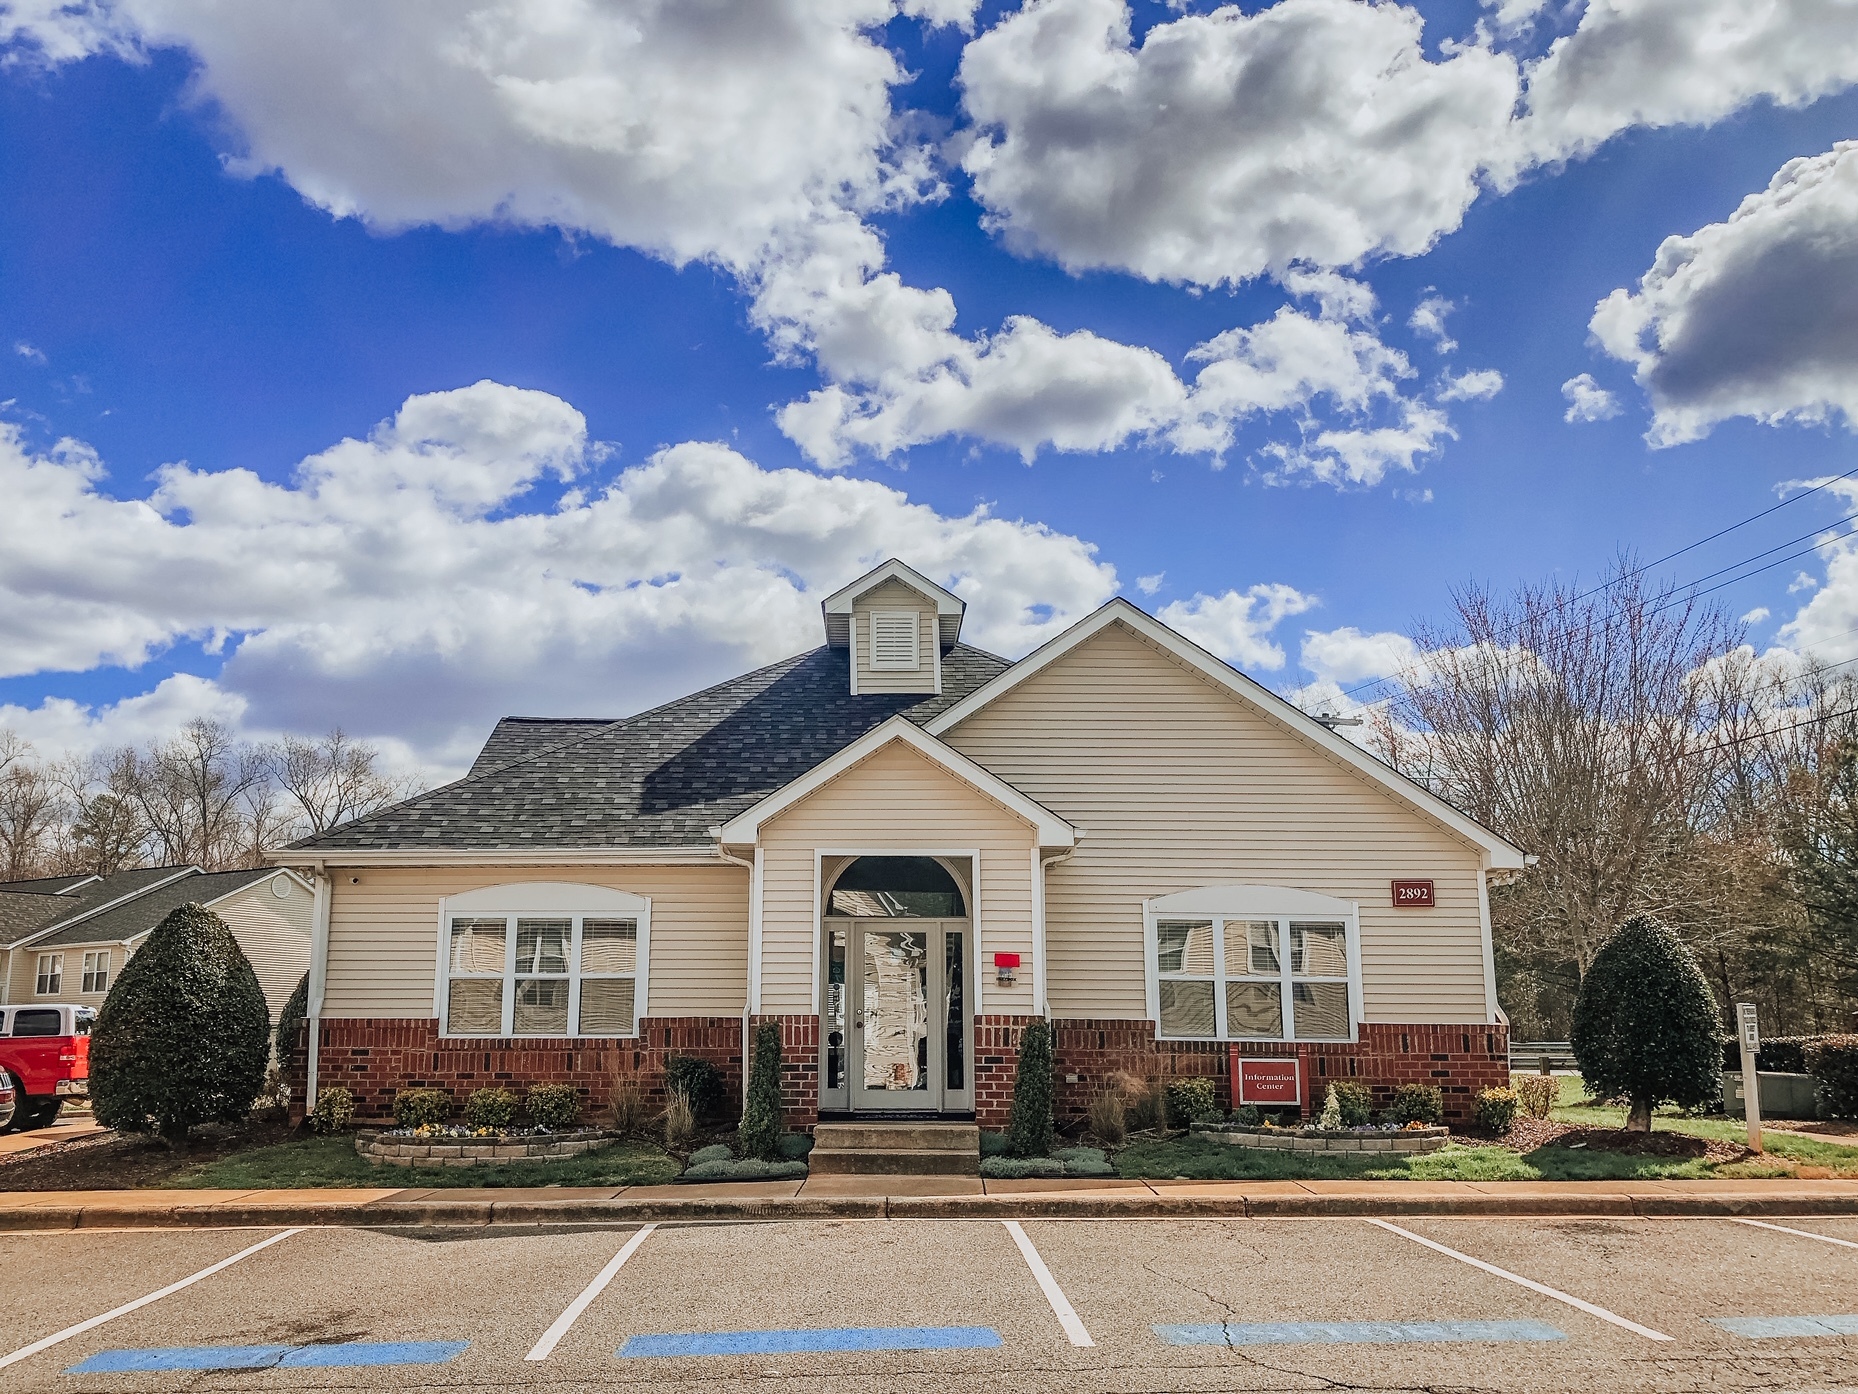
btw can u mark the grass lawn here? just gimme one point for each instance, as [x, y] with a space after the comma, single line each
[333, 1161]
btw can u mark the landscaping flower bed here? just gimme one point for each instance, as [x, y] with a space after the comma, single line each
[1367, 1137]
[459, 1145]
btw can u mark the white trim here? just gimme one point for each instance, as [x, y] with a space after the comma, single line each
[1258, 900]
[972, 892]
[745, 827]
[1500, 853]
[819, 932]
[319, 976]
[756, 886]
[851, 648]
[935, 657]
[317, 860]
[1494, 1010]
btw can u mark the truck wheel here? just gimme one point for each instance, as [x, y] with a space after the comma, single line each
[20, 1105]
[45, 1112]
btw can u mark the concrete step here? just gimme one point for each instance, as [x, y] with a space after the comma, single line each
[896, 1161]
[898, 1137]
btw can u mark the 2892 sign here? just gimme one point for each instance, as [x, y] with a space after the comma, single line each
[1413, 895]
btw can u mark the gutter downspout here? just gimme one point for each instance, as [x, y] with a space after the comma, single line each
[1040, 998]
[319, 974]
[754, 946]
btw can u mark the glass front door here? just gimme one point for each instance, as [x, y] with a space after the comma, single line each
[898, 1033]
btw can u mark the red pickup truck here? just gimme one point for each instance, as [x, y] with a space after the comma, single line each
[45, 1055]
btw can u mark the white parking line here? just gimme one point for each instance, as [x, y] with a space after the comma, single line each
[1061, 1305]
[552, 1337]
[1529, 1283]
[48, 1342]
[1803, 1233]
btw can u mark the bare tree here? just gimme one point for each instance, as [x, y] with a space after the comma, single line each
[198, 792]
[331, 780]
[30, 811]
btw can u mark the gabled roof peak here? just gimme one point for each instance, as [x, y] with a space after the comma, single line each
[837, 607]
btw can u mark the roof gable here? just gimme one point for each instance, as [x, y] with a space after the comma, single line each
[836, 609]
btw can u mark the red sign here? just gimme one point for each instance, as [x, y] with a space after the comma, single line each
[1006, 960]
[1413, 895]
[1278, 1082]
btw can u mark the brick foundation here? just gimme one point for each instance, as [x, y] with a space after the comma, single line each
[799, 1069]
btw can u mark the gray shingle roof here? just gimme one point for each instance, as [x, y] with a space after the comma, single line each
[23, 913]
[88, 897]
[662, 778]
[150, 909]
[45, 885]
[518, 737]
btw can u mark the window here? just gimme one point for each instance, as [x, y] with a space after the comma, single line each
[97, 971]
[1252, 974]
[575, 970]
[37, 1021]
[51, 976]
[894, 639]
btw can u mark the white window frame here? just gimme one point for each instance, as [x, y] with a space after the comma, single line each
[48, 981]
[96, 964]
[1279, 904]
[543, 900]
[915, 619]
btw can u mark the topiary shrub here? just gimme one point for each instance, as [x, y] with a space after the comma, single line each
[334, 1111]
[420, 1108]
[1191, 1100]
[1357, 1102]
[698, 1080]
[1495, 1110]
[1417, 1103]
[290, 1024]
[556, 1107]
[490, 1108]
[1030, 1133]
[1833, 1063]
[184, 1036]
[1645, 1024]
[760, 1133]
[1536, 1094]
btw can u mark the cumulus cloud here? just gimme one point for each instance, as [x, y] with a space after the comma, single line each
[1826, 624]
[1428, 319]
[1362, 455]
[1344, 656]
[1478, 385]
[1587, 400]
[1755, 316]
[417, 583]
[1237, 624]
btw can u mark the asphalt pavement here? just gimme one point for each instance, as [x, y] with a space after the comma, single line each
[943, 1305]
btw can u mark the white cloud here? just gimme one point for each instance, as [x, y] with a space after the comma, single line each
[1478, 385]
[1587, 400]
[1758, 615]
[1346, 656]
[1363, 455]
[28, 352]
[1755, 316]
[1237, 624]
[1428, 318]
[1826, 624]
[1148, 585]
[1226, 145]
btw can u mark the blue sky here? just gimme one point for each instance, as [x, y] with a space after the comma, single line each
[211, 254]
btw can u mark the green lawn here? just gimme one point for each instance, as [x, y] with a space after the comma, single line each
[1805, 1151]
[333, 1161]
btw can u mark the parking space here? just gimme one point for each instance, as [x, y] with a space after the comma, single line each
[955, 1304]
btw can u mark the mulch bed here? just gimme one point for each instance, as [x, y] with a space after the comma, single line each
[1528, 1134]
[114, 1162]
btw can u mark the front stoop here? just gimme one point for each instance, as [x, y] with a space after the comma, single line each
[895, 1149]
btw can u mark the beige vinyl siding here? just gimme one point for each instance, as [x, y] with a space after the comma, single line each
[24, 972]
[894, 595]
[275, 935]
[1178, 785]
[383, 934]
[894, 799]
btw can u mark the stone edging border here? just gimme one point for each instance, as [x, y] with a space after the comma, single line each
[452, 1151]
[1297, 1140]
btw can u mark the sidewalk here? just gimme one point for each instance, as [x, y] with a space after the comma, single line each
[917, 1198]
[67, 1129]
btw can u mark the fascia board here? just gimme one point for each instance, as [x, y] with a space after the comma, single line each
[456, 856]
[744, 829]
[840, 601]
[1499, 853]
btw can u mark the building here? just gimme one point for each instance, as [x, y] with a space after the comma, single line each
[65, 938]
[903, 849]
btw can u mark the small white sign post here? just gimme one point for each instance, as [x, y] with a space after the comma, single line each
[1750, 1036]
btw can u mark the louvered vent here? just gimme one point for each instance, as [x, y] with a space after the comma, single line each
[893, 639]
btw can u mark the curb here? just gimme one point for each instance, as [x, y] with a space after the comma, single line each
[749, 1210]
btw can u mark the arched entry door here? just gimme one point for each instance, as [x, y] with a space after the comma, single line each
[897, 1028]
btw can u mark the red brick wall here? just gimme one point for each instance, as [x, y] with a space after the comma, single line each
[799, 1069]
[373, 1057]
[1094, 1049]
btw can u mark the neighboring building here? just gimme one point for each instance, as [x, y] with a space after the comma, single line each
[64, 939]
[903, 849]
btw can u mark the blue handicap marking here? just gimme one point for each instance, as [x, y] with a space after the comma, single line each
[807, 1342]
[336, 1355]
[1768, 1328]
[1294, 1333]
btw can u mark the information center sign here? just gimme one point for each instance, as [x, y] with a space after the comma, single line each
[1271, 1083]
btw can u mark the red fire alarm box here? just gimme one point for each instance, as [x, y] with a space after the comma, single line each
[1006, 968]
[1412, 895]
[1270, 1083]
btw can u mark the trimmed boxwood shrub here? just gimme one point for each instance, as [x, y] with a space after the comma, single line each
[1357, 1101]
[556, 1107]
[1646, 1025]
[698, 1080]
[1191, 1100]
[760, 1133]
[419, 1108]
[490, 1108]
[1030, 1134]
[1495, 1110]
[290, 1023]
[334, 1111]
[1833, 1063]
[184, 1037]
[1417, 1103]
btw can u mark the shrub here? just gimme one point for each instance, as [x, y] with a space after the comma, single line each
[554, 1106]
[415, 1108]
[698, 1080]
[1536, 1094]
[1109, 1117]
[1084, 1161]
[715, 1152]
[996, 1145]
[680, 1120]
[290, 1023]
[1031, 1130]
[1495, 1110]
[1417, 1103]
[625, 1107]
[1190, 1100]
[1142, 1100]
[1357, 1101]
[1330, 1119]
[1833, 1063]
[794, 1146]
[744, 1169]
[1247, 1115]
[760, 1132]
[1017, 1168]
[1645, 1024]
[334, 1111]
[490, 1108]
[184, 1036]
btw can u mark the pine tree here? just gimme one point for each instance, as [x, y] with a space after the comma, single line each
[1030, 1133]
[760, 1133]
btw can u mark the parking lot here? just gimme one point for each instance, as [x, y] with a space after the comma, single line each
[1421, 1303]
